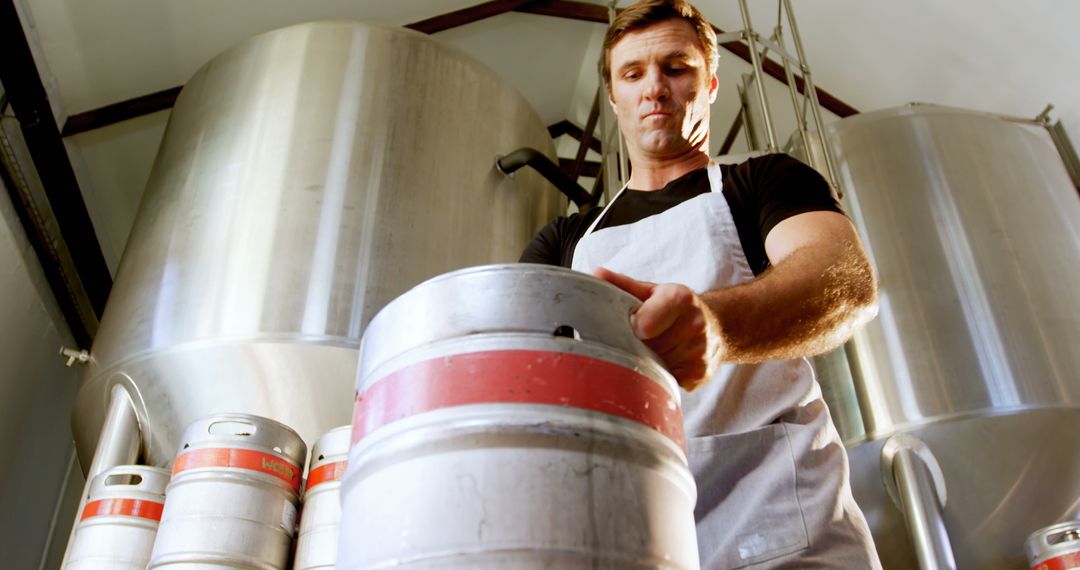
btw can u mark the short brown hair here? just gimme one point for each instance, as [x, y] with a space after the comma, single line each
[645, 13]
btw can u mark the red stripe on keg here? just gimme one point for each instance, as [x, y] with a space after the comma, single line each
[148, 510]
[240, 459]
[325, 474]
[1067, 561]
[520, 377]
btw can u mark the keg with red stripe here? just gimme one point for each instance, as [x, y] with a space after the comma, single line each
[507, 417]
[316, 545]
[233, 498]
[1056, 547]
[119, 520]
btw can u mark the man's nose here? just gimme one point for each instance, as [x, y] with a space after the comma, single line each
[656, 86]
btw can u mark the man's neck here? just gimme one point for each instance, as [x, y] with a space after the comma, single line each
[653, 174]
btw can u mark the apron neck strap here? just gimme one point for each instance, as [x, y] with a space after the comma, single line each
[715, 185]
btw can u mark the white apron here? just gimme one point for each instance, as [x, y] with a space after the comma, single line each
[771, 473]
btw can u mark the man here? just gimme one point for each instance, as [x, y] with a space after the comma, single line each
[757, 268]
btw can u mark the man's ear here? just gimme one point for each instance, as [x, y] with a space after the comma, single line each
[714, 83]
[611, 101]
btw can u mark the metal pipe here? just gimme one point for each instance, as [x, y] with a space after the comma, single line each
[1066, 150]
[915, 483]
[119, 444]
[549, 170]
[922, 512]
[811, 92]
[755, 62]
[800, 118]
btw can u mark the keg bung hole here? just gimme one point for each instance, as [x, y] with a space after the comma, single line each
[232, 427]
[123, 479]
[566, 331]
[321, 457]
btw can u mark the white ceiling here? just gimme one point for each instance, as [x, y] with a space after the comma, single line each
[994, 55]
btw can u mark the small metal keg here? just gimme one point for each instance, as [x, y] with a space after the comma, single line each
[320, 515]
[120, 519]
[1056, 547]
[233, 497]
[507, 417]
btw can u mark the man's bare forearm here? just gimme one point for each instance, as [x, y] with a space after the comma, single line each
[809, 303]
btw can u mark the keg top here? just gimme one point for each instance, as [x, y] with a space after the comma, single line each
[503, 298]
[245, 430]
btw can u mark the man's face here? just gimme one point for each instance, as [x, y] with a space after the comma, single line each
[661, 90]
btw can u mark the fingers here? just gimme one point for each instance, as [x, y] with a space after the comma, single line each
[640, 289]
[672, 321]
[662, 310]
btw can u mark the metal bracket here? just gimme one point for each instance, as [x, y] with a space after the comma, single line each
[904, 441]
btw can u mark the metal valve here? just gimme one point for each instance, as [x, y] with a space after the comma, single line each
[73, 356]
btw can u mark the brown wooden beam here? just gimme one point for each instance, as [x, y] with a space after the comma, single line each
[122, 111]
[565, 127]
[589, 168]
[468, 15]
[567, 9]
[776, 71]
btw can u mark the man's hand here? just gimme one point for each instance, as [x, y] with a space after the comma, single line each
[676, 324]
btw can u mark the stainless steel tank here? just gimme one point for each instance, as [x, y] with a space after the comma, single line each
[307, 176]
[483, 440]
[974, 227]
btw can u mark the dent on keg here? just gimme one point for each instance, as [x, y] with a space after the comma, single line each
[316, 545]
[1056, 547]
[233, 497]
[483, 439]
[120, 519]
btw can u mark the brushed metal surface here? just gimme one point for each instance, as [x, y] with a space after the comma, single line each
[227, 514]
[974, 228]
[320, 515]
[118, 541]
[307, 176]
[518, 483]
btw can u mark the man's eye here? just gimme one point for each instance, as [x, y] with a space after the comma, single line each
[675, 70]
[631, 75]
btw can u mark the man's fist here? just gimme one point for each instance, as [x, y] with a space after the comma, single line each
[676, 324]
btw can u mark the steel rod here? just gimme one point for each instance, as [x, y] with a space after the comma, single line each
[755, 62]
[119, 444]
[925, 524]
[811, 92]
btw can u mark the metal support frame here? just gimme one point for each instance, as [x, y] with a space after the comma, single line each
[751, 38]
[916, 485]
[120, 443]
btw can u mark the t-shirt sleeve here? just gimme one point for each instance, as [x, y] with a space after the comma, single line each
[554, 244]
[768, 190]
[787, 187]
[544, 247]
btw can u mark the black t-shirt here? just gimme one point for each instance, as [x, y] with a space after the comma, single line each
[761, 193]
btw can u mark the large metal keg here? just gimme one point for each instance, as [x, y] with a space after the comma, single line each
[233, 498]
[120, 520]
[306, 177]
[320, 513]
[481, 439]
[972, 222]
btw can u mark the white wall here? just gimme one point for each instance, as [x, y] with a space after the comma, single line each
[36, 396]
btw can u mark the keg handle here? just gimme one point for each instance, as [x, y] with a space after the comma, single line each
[123, 479]
[232, 427]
